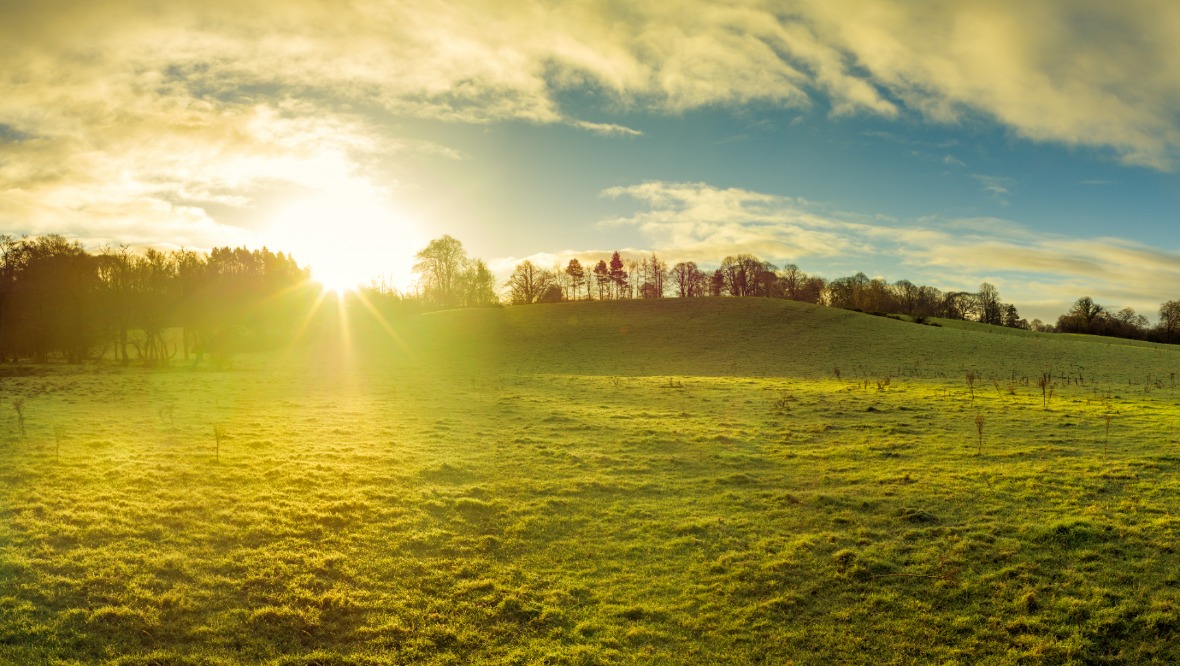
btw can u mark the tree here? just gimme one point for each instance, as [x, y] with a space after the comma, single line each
[527, 283]
[153, 280]
[959, 305]
[618, 276]
[1012, 318]
[790, 280]
[849, 293]
[1083, 317]
[1087, 309]
[991, 310]
[552, 294]
[440, 265]
[906, 294]
[688, 280]
[655, 273]
[1169, 325]
[811, 289]
[741, 274]
[577, 276]
[477, 283]
[602, 279]
[717, 283]
[1130, 317]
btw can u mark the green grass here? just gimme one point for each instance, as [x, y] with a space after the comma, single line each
[674, 482]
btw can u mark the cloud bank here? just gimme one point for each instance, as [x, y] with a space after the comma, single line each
[138, 121]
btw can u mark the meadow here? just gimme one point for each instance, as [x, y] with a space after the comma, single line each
[684, 481]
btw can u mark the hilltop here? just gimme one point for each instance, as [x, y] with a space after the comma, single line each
[765, 338]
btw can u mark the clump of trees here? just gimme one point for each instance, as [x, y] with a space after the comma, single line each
[58, 300]
[1088, 317]
[451, 279]
[747, 276]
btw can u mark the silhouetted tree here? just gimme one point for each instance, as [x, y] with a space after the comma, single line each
[791, 278]
[602, 279]
[959, 305]
[1011, 317]
[849, 293]
[477, 283]
[688, 280]
[991, 310]
[1169, 324]
[655, 272]
[741, 274]
[54, 302]
[1083, 317]
[527, 283]
[717, 283]
[577, 276]
[440, 265]
[618, 276]
[552, 294]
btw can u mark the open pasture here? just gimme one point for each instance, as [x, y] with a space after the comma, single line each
[692, 481]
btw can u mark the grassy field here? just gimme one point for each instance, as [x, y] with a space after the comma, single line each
[697, 481]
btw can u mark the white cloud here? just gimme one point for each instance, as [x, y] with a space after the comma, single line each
[124, 117]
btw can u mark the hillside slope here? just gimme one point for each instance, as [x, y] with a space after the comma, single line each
[762, 337]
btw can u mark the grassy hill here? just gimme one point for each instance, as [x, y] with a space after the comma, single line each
[769, 337]
[664, 482]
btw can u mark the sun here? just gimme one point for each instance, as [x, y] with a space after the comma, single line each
[347, 238]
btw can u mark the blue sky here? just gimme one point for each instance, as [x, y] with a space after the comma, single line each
[1032, 145]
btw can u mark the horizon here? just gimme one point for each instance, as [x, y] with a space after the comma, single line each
[1031, 148]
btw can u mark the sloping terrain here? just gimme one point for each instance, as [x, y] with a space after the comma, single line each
[670, 482]
[764, 337]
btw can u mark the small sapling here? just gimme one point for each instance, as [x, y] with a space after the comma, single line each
[218, 435]
[979, 429]
[18, 406]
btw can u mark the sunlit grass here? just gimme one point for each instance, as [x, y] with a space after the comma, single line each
[589, 484]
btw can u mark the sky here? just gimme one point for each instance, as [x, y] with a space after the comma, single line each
[1033, 145]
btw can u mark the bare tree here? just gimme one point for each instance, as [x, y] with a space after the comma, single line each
[1169, 324]
[655, 273]
[440, 265]
[687, 279]
[561, 280]
[991, 310]
[528, 283]
[477, 284]
[741, 274]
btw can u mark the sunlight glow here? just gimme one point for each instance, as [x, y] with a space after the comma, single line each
[349, 237]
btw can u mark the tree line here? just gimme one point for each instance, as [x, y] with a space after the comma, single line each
[1091, 318]
[58, 300]
[745, 275]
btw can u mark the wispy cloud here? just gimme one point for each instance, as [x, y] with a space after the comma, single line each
[999, 187]
[606, 129]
